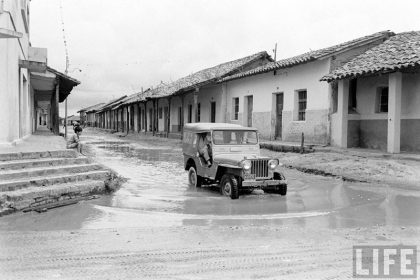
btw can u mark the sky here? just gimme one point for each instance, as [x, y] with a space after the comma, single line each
[117, 47]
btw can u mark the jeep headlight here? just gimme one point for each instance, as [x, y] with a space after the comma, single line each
[273, 163]
[246, 165]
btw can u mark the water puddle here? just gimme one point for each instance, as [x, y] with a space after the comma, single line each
[157, 194]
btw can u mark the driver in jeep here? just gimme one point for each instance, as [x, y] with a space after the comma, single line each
[204, 147]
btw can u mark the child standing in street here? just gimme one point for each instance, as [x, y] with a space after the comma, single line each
[74, 141]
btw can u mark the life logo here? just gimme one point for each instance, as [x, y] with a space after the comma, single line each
[398, 261]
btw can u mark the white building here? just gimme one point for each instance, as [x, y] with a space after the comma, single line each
[286, 98]
[29, 90]
[382, 89]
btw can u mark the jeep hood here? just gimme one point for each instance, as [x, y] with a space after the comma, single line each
[234, 159]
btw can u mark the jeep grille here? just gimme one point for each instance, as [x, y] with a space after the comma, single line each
[259, 168]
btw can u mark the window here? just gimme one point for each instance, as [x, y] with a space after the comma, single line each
[160, 113]
[301, 105]
[198, 112]
[382, 100]
[352, 94]
[334, 89]
[235, 108]
[213, 112]
[234, 137]
[190, 113]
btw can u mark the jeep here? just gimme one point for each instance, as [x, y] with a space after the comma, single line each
[232, 161]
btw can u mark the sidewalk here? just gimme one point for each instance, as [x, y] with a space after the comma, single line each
[38, 142]
[357, 165]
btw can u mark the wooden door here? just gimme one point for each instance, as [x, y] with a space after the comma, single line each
[279, 115]
[249, 110]
[213, 112]
[165, 119]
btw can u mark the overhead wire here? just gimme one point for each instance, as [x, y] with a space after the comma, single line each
[64, 37]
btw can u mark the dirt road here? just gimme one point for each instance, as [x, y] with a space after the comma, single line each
[156, 227]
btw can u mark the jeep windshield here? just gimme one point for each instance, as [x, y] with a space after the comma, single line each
[235, 137]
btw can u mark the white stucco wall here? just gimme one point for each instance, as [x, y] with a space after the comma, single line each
[205, 97]
[367, 128]
[367, 94]
[15, 96]
[162, 103]
[286, 81]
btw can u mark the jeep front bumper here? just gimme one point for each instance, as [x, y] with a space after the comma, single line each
[263, 183]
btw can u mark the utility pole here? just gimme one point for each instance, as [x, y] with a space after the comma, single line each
[67, 67]
[275, 52]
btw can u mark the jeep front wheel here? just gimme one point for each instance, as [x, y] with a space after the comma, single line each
[193, 179]
[229, 186]
[282, 190]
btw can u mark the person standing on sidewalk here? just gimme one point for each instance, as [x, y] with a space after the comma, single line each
[74, 141]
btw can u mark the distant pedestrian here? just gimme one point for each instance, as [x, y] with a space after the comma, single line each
[74, 141]
[75, 124]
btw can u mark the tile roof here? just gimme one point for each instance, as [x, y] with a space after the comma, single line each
[206, 76]
[90, 107]
[398, 52]
[73, 118]
[310, 56]
[94, 108]
[107, 105]
[64, 76]
[142, 96]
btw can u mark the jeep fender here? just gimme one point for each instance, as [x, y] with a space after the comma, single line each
[228, 169]
[278, 176]
[189, 162]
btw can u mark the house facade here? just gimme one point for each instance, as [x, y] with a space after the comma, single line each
[29, 90]
[16, 97]
[286, 99]
[361, 93]
[83, 115]
[164, 110]
[378, 104]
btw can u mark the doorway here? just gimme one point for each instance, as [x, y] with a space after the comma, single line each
[213, 112]
[250, 108]
[279, 115]
[165, 119]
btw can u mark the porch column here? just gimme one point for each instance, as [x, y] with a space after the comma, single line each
[224, 103]
[145, 117]
[128, 118]
[157, 115]
[153, 120]
[56, 127]
[110, 119]
[342, 112]
[394, 112]
[169, 117]
[136, 117]
[195, 105]
[182, 116]
[122, 119]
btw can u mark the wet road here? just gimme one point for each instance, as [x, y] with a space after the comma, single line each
[157, 202]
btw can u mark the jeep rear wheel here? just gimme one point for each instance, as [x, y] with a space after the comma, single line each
[193, 179]
[229, 186]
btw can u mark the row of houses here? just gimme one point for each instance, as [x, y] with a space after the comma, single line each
[361, 93]
[30, 90]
